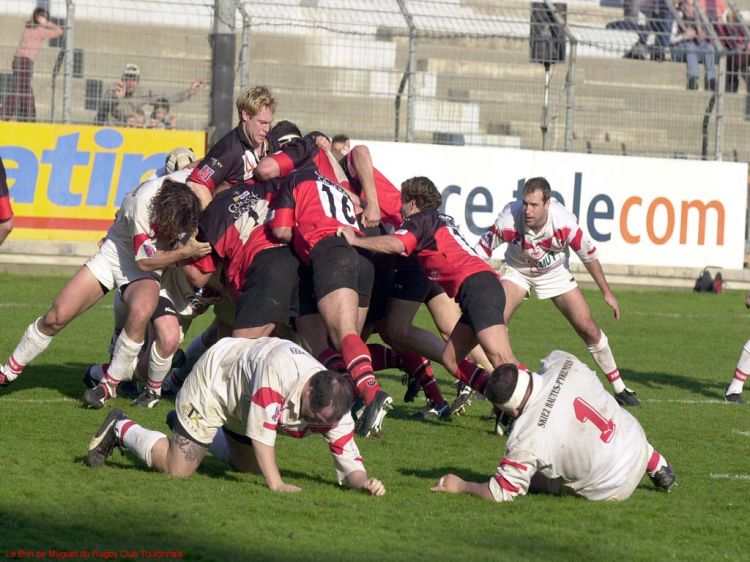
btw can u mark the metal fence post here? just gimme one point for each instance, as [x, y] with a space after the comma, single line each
[222, 69]
[570, 96]
[409, 73]
[720, 91]
[68, 65]
[244, 62]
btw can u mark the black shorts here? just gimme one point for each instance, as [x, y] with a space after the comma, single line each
[482, 301]
[384, 276]
[411, 282]
[336, 265]
[164, 307]
[269, 294]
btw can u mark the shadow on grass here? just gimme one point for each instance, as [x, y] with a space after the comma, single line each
[66, 379]
[658, 381]
[433, 474]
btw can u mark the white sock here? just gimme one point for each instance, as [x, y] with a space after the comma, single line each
[602, 355]
[158, 367]
[741, 371]
[121, 316]
[33, 342]
[124, 358]
[219, 446]
[138, 439]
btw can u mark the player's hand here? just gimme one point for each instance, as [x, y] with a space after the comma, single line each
[374, 487]
[371, 215]
[610, 299]
[450, 483]
[120, 89]
[346, 233]
[194, 249]
[285, 488]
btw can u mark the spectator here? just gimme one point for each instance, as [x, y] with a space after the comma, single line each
[160, 116]
[6, 211]
[120, 103]
[693, 47]
[660, 15]
[734, 38]
[20, 104]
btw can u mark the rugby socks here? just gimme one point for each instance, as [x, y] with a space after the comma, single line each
[655, 461]
[473, 375]
[158, 367]
[332, 360]
[420, 368]
[383, 357]
[359, 364]
[123, 361]
[741, 371]
[219, 446]
[33, 342]
[137, 439]
[602, 355]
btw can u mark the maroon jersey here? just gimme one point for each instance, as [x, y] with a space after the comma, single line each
[389, 197]
[6, 212]
[314, 206]
[232, 159]
[443, 253]
[235, 224]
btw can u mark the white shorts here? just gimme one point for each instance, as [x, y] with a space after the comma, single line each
[115, 266]
[546, 286]
[201, 415]
[627, 488]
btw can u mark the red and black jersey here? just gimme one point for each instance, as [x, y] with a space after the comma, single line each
[314, 206]
[230, 160]
[443, 253]
[235, 224]
[389, 197]
[6, 212]
[303, 152]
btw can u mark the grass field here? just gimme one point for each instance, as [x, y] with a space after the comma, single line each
[677, 350]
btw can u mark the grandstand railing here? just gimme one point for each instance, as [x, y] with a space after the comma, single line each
[437, 71]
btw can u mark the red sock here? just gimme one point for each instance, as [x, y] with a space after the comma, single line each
[420, 368]
[332, 360]
[655, 462]
[472, 374]
[383, 357]
[359, 364]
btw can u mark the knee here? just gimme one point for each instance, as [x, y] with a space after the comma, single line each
[168, 344]
[449, 361]
[54, 321]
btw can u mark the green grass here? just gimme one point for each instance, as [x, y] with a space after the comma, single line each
[677, 350]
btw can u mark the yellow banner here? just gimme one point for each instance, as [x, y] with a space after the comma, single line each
[67, 181]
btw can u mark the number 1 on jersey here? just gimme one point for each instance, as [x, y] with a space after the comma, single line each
[586, 412]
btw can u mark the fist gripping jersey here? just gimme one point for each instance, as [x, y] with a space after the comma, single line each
[535, 253]
[573, 430]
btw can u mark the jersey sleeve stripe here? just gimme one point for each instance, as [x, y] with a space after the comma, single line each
[285, 163]
[514, 464]
[505, 485]
[408, 239]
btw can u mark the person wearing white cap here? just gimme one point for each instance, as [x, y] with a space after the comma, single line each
[126, 98]
[570, 437]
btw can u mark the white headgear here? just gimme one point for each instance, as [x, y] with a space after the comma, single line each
[524, 380]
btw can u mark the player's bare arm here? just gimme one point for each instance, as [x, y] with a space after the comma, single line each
[266, 457]
[195, 276]
[201, 192]
[381, 244]
[267, 169]
[597, 274]
[362, 162]
[191, 249]
[452, 484]
[358, 480]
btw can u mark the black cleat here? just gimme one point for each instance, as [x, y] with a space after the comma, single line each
[627, 399]
[371, 421]
[171, 419]
[89, 381]
[464, 395]
[734, 397]
[434, 411]
[97, 396]
[504, 423]
[664, 478]
[412, 387]
[104, 440]
[147, 398]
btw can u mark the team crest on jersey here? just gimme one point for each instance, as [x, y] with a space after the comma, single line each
[149, 250]
[205, 172]
[518, 240]
[276, 414]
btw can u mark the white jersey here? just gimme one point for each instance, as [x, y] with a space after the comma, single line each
[253, 388]
[572, 430]
[536, 253]
[132, 231]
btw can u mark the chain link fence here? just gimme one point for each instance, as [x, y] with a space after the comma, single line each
[587, 76]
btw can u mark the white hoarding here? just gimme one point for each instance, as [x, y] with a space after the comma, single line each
[639, 211]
